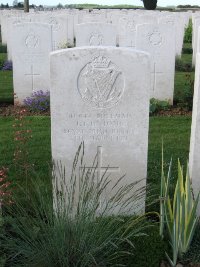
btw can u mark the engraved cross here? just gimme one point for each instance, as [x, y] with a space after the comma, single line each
[32, 74]
[101, 169]
[155, 72]
[54, 45]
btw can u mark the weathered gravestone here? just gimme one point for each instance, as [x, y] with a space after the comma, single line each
[59, 25]
[178, 23]
[196, 26]
[101, 100]
[94, 16]
[127, 30]
[194, 157]
[159, 41]
[12, 21]
[96, 34]
[32, 43]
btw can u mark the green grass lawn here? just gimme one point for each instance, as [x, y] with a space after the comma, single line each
[3, 56]
[3, 48]
[187, 45]
[38, 146]
[186, 58]
[6, 83]
[175, 132]
[6, 87]
[183, 92]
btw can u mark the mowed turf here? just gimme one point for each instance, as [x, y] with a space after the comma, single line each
[38, 146]
[182, 85]
[6, 83]
[6, 87]
[187, 58]
[3, 56]
[175, 132]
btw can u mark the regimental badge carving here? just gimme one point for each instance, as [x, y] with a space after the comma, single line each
[96, 39]
[54, 23]
[101, 83]
[16, 21]
[131, 25]
[127, 25]
[170, 21]
[31, 40]
[155, 38]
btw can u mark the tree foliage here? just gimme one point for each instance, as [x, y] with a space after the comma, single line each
[150, 4]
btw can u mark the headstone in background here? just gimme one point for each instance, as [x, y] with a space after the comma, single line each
[59, 25]
[194, 156]
[127, 31]
[196, 26]
[96, 34]
[32, 43]
[159, 41]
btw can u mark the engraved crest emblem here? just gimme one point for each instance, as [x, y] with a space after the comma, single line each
[155, 38]
[96, 39]
[127, 24]
[32, 41]
[101, 83]
[54, 23]
[131, 25]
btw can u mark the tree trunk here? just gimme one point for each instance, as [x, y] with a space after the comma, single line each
[26, 6]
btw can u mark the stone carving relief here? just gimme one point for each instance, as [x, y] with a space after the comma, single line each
[55, 25]
[96, 39]
[101, 83]
[31, 40]
[155, 38]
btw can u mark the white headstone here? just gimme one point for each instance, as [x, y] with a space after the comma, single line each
[99, 97]
[59, 25]
[194, 157]
[96, 34]
[96, 16]
[196, 26]
[159, 41]
[127, 31]
[32, 43]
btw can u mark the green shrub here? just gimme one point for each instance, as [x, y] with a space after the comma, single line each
[181, 66]
[184, 97]
[3, 48]
[1, 63]
[157, 105]
[188, 33]
[187, 50]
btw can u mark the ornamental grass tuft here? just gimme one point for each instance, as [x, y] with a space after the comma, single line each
[178, 213]
[70, 229]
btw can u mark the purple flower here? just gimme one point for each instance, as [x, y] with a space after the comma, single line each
[39, 101]
[7, 65]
